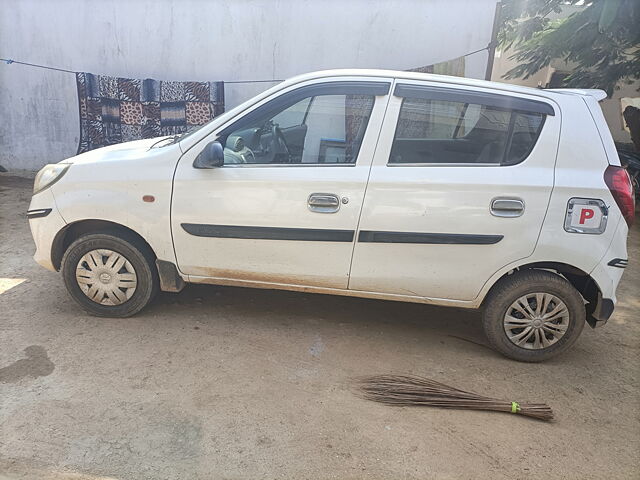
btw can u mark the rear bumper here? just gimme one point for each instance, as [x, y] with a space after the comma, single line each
[607, 275]
[45, 222]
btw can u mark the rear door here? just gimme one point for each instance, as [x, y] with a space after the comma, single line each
[285, 206]
[459, 188]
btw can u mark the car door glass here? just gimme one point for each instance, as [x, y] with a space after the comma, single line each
[316, 129]
[294, 115]
[439, 131]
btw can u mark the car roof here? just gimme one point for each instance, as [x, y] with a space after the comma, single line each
[471, 82]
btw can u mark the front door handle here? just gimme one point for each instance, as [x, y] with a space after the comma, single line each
[507, 207]
[323, 202]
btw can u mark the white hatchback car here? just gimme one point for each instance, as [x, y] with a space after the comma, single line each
[370, 183]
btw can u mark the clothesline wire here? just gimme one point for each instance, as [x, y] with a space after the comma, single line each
[9, 61]
[475, 51]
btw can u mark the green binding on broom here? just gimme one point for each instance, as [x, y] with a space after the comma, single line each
[515, 407]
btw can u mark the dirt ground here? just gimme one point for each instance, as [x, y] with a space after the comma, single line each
[220, 382]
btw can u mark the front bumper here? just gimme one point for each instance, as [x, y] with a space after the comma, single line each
[45, 222]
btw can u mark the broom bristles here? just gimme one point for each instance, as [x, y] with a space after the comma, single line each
[402, 390]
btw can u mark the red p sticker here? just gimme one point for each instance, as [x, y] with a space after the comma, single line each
[586, 214]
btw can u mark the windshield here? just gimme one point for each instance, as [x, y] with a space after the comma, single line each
[172, 140]
[191, 131]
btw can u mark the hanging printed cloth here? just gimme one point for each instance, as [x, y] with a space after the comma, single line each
[115, 110]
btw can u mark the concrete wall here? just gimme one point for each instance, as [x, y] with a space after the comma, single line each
[612, 110]
[208, 40]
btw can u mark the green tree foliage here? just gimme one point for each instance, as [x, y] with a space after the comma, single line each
[602, 40]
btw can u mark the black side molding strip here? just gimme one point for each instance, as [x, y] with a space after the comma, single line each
[468, 96]
[40, 212]
[367, 236]
[325, 235]
[268, 233]
[619, 262]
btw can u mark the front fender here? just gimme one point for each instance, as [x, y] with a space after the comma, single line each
[135, 194]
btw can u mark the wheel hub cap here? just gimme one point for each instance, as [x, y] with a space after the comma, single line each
[536, 321]
[106, 277]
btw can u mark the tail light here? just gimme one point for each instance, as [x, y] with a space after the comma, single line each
[619, 183]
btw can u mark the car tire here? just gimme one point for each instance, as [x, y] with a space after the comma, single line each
[104, 284]
[549, 333]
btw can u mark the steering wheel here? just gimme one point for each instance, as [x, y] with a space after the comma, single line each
[279, 145]
[250, 152]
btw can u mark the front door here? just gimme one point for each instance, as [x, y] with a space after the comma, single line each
[284, 207]
[459, 188]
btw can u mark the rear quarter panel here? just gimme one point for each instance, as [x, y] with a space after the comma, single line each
[579, 172]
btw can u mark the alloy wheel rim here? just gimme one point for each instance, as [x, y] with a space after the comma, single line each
[106, 277]
[536, 321]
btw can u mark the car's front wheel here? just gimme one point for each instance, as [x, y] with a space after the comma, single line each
[110, 274]
[533, 315]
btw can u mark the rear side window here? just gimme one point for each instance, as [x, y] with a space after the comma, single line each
[451, 132]
[526, 129]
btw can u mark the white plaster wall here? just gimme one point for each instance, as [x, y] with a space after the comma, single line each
[207, 40]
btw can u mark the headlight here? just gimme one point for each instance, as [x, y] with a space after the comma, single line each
[49, 175]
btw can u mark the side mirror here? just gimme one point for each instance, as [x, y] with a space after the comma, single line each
[211, 156]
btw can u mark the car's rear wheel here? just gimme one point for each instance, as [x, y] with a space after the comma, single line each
[533, 315]
[110, 274]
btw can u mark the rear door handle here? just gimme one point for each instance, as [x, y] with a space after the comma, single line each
[507, 207]
[323, 202]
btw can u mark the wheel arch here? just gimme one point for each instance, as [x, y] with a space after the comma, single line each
[584, 283]
[75, 230]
